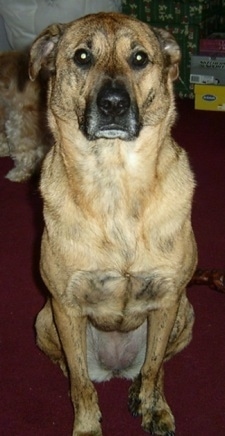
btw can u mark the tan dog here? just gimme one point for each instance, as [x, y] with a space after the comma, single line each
[118, 248]
[24, 134]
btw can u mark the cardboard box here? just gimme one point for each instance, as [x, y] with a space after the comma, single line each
[207, 70]
[210, 97]
[214, 43]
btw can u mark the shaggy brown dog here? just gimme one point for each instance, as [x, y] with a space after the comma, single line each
[118, 248]
[23, 128]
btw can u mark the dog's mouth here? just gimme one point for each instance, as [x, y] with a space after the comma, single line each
[112, 131]
[111, 114]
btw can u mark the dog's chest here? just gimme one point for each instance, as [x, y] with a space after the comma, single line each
[104, 245]
[114, 301]
[108, 281]
[113, 179]
[115, 192]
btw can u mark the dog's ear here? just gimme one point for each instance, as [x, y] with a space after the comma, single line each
[171, 51]
[43, 50]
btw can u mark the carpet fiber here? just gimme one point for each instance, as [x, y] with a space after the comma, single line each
[34, 393]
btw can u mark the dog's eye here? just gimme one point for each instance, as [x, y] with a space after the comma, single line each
[139, 59]
[82, 57]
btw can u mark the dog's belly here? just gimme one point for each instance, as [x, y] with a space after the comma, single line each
[117, 307]
[115, 354]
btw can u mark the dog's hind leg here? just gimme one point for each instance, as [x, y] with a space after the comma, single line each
[47, 336]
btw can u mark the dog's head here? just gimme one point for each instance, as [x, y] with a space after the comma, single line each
[110, 75]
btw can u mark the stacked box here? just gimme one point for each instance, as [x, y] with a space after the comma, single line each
[210, 97]
[188, 21]
[214, 43]
[188, 37]
[208, 70]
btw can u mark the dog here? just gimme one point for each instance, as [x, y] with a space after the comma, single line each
[118, 247]
[24, 133]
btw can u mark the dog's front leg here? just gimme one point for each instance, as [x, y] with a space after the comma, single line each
[146, 394]
[71, 326]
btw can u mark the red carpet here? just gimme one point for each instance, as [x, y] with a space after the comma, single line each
[34, 393]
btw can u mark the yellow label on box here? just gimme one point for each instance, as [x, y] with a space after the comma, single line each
[210, 97]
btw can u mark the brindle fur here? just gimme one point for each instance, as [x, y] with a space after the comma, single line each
[118, 247]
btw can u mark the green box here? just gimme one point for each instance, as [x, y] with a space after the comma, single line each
[170, 11]
[186, 31]
[222, 17]
[188, 38]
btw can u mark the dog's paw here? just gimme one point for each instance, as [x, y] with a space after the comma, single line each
[17, 175]
[88, 417]
[88, 433]
[157, 417]
[134, 401]
[159, 422]
[88, 429]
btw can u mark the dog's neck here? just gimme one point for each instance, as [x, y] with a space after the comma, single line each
[126, 173]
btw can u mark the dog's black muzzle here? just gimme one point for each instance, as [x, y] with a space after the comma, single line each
[111, 113]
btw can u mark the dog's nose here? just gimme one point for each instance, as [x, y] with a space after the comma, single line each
[113, 100]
